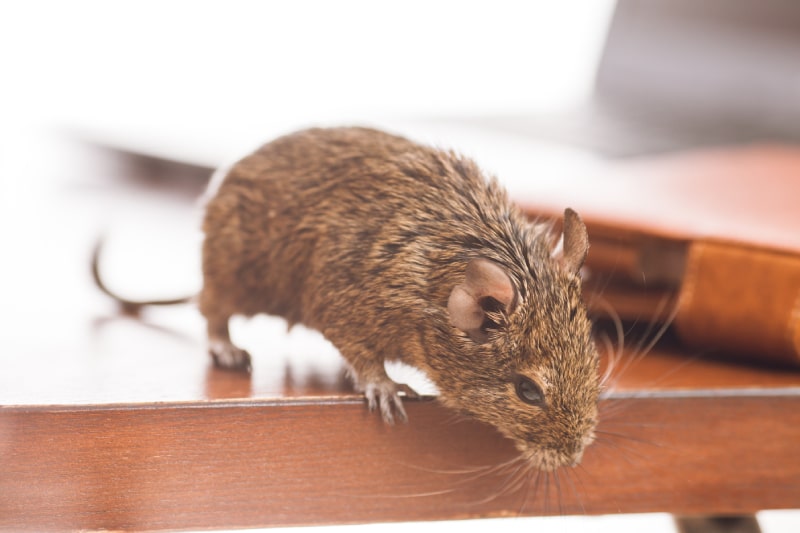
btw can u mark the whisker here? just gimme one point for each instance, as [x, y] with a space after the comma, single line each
[575, 491]
[596, 293]
[635, 423]
[470, 474]
[504, 485]
[613, 355]
[410, 496]
[494, 471]
[646, 388]
[615, 319]
[620, 450]
[440, 471]
[580, 469]
[628, 437]
[559, 497]
[626, 452]
[663, 329]
[518, 477]
[536, 481]
[454, 418]
[611, 360]
[521, 479]
[528, 474]
[497, 469]
[546, 492]
[651, 324]
[611, 407]
[643, 347]
[687, 360]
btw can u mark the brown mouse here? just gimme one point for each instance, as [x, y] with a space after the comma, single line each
[398, 251]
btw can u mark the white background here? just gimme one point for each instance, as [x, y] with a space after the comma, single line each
[210, 75]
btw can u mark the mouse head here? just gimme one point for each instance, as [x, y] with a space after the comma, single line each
[530, 365]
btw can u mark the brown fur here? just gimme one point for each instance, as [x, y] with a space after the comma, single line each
[363, 236]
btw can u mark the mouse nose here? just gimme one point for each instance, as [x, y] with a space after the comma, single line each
[577, 449]
[576, 458]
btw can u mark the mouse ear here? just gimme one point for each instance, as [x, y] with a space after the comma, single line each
[576, 241]
[486, 287]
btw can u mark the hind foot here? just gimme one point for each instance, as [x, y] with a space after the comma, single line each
[385, 395]
[226, 355]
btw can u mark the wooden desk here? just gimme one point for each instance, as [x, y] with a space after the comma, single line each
[111, 423]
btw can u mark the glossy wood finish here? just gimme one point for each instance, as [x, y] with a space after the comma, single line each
[255, 463]
[112, 422]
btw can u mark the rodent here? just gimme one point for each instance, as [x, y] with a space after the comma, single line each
[399, 251]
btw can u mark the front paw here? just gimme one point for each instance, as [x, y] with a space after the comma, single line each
[385, 395]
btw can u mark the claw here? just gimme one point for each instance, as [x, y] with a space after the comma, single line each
[229, 357]
[385, 395]
[399, 409]
[372, 398]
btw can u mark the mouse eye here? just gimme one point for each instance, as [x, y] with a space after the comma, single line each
[529, 392]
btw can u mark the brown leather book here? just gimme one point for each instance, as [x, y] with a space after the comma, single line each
[708, 239]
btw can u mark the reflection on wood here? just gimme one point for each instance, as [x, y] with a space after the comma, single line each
[107, 422]
[327, 460]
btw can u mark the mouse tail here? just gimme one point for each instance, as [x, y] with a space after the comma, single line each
[129, 306]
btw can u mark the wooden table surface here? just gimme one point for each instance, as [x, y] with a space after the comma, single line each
[113, 422]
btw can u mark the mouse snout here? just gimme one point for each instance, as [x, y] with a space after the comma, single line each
[564, 451]
[576, 459]
[580, 446]
[549, 459]
[574, 453]
[582, 441]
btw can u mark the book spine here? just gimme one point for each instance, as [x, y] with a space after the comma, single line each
[741, 300]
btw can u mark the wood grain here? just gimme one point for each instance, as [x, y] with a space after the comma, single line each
[110, 422]
[308, 461]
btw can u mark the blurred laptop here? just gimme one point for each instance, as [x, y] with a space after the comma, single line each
[672, 75]
[677, 74]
